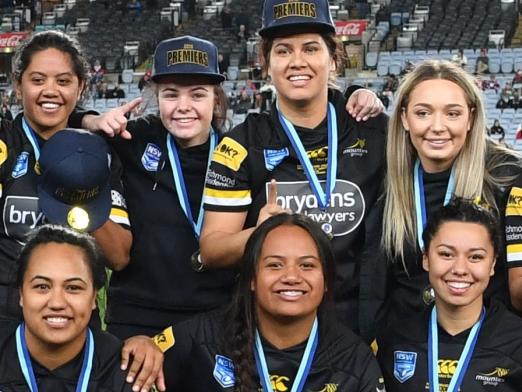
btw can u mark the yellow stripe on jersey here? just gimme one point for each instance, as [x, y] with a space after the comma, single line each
[514, 252]
[0, 190]
[514, 204]
[119, 216]
[227, 197]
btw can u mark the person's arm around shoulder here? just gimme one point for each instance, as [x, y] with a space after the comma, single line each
[362, 103]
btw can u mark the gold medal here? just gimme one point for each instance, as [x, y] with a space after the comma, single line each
[78, 218]
[428, 295]
[195, 262]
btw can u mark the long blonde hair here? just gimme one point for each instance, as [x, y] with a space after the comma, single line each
[472, 174]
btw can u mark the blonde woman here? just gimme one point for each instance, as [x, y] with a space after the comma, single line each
[438, 148]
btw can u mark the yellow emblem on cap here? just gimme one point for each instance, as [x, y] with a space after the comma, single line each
[164, 340]
[78, 218]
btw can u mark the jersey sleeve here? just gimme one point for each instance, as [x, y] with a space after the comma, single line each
[371, 378]
[176, 344]
[228, 185]
[119, 212]
[513, 227]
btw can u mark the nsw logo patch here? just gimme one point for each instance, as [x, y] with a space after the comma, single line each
[274, 157]
[404, 365]
[151, 157]
[224, 371]
[21, 164]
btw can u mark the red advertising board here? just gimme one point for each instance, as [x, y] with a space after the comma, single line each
[11, 40]
[351, 27]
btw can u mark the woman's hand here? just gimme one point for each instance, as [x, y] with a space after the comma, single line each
[271, 207]
[112, 122]
[147, 364]
[363, 104]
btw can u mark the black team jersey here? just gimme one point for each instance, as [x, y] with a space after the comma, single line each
[407, 286]
[194, 362]
[159, 286]
[106, 375]
[19, 207]
[258, 150]
[496, 364]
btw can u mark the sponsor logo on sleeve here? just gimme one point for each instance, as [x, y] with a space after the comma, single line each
[151, 157]
[3, 152]
[165, 339]
[219, 180]
[21, 164]
[404, 365]
[224, 371]
[117, 199]
[274, 157]
[514, 204]
[230, 153]
[21, 215]
[344, 214]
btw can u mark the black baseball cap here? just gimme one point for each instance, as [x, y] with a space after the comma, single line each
[286, 17]
[74, 187]
[186, 55]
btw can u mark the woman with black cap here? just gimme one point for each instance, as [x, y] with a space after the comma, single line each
[327, 165]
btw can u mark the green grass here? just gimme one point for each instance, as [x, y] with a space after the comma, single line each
[101, 299]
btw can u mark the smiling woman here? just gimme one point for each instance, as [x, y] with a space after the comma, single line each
[462, 342]
[278, 330]
[49, 77]
[438, 148]
[59, 273]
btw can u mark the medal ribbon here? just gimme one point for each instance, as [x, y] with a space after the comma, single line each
[304, 367]
[323, 197]
[465, 356]
[27, 369]
[420, 202]
[31, 135]
[179, 181]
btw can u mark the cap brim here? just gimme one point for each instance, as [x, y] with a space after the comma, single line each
[212, 77]
[56, 212]
[286, 29]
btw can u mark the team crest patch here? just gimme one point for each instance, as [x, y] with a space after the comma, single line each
[151, 157]
[274, 157]
[224, 371]
[404, 365]
[21, 164]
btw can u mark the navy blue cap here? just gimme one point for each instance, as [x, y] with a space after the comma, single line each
[186, 55]
[283, 17]
[74, 186]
